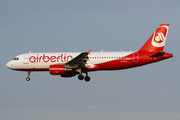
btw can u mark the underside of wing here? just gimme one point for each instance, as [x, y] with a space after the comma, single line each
[79, 61]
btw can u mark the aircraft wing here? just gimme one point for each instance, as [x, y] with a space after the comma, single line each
[79, 61]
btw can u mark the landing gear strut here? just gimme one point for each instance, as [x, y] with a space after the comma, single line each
[87, 78]
[81, 77]
[28, 78]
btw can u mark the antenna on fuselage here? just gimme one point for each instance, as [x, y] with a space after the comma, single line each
[29, 51]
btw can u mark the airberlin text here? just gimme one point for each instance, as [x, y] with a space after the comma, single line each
[45, 58]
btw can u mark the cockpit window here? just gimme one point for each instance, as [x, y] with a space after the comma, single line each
[16, 58]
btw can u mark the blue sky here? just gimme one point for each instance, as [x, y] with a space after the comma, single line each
[147, 92]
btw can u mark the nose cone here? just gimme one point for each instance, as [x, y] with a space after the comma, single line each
[9, 65]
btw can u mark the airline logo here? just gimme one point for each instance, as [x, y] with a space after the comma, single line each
[159, 36]
[45, 58]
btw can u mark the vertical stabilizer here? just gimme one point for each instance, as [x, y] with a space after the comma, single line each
[157, 41]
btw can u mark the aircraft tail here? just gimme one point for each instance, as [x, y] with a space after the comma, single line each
[157, 41]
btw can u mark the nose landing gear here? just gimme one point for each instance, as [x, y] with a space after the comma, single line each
[28, 78]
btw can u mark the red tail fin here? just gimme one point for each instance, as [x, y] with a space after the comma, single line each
[157, 41]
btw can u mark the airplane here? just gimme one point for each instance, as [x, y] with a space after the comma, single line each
[69, 64]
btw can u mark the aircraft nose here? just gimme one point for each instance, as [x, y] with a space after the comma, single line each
[9, 65]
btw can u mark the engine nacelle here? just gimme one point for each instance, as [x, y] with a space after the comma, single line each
[58, 69]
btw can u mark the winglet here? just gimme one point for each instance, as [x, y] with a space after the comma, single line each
[89, 51]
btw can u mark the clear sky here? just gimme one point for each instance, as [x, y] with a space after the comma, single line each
[149, 92]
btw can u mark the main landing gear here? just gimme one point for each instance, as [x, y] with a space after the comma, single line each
[86, 78]
[28, 78]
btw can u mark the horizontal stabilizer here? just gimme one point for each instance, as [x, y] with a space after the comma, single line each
[159, 54]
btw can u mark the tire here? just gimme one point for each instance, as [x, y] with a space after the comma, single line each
[80, 77]
[28, 79]
[87, 78]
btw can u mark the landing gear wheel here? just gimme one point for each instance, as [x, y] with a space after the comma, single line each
[87, 78]
[80, 77]
[28, 79]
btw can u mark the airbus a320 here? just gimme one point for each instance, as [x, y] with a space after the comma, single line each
[69, 64]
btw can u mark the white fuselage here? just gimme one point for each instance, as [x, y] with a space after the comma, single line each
[42, 61]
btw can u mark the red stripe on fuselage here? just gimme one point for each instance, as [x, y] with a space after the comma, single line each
[129, 61]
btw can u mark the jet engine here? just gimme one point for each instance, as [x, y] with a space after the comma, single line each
[58, 69]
